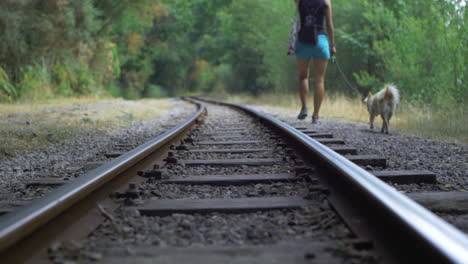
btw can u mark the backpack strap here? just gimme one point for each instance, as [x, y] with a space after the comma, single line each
[298, 14]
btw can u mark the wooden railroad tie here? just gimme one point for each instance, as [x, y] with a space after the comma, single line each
[210, 143]
[227, 131]
[331, 141]
[233, 179]
[190, 206]
[14, 203]
[406, 177]
[344, 150]
[233, 162]
[320, 135]
[231, 129]
[227, 138]
[214, 134]
[308, 131]
[233, 124]
[7, 207]
[113, 154]
[444, 202]
[92, 165]
[230, 150]
[372, 160]
[46, 182]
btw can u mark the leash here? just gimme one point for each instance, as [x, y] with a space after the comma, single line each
[348, 83]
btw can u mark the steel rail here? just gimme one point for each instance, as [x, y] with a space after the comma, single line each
[22, 222]
[449, 244]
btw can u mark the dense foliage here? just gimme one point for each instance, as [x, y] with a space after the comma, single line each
[135, 48]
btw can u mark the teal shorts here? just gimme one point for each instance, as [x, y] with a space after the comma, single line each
[308, 52]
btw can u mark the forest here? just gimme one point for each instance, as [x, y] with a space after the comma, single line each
[157, 48]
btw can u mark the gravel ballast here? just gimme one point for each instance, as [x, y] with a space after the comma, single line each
[69, 159]
[447, 160]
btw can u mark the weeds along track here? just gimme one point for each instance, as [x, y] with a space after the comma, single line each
[232, 185]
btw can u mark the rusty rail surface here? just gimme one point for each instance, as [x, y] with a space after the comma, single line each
[19, 224]
[417, 232]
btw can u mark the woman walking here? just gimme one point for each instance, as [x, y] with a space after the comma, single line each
[314, 45]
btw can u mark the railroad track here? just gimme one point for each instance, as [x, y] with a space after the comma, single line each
[246, 188]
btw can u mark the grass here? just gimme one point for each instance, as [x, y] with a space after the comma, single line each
[449, 125]
[28, 125]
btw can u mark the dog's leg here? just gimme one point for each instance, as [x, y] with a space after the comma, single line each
[371, 120]
[388, 120]
[384, 123]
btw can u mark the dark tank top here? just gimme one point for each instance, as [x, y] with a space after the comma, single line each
[312, 12]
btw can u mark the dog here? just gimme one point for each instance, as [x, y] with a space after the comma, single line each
[383, 103]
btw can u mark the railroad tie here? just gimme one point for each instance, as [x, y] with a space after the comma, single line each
[371, 160]
[331, 141]
[246, 142]
[236, 125]
[53, 182]
[14, 203]
[9, 206]
[230, 150]
[406, 177]
[242, 205]
[221, 180]
[444, 202]
[113, 154]
[319, 135]
[92, 165]
[231, 129]
[228, 138]
[344, 150]
[214, 134]
[233, 162]
[308, 131]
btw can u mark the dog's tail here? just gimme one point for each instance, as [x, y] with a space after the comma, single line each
[392, 94]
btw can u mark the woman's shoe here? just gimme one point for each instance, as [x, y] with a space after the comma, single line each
[315, 119]
[303, 114]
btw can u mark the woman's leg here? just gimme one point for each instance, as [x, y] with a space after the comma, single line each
[320, 68]
[303, 67]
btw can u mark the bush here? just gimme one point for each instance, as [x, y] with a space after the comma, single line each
[7, 89]
[35, 83]
[155, 91]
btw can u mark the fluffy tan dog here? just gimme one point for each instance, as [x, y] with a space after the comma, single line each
[383, 104]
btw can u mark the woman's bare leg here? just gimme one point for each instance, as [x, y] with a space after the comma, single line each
[320, 67]
[303, 67]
